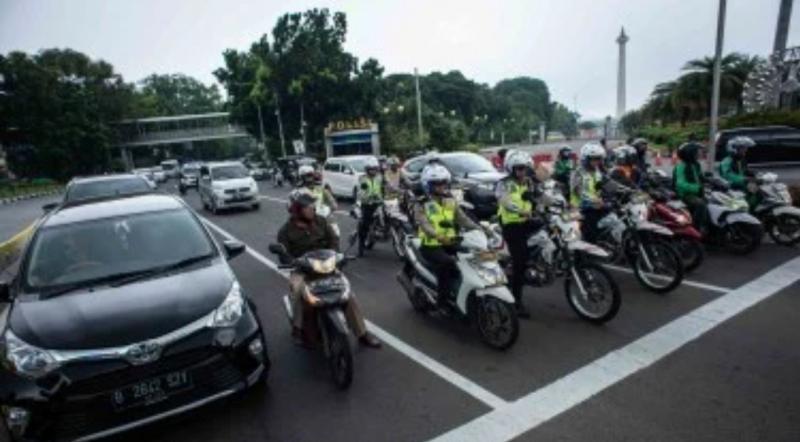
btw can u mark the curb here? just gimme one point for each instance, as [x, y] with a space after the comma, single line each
[15, 199]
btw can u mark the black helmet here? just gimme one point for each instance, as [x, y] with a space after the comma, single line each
[688, 152]
[565, 152]
[639, 143]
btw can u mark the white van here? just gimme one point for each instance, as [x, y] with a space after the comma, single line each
[341, 174]
[227, 185]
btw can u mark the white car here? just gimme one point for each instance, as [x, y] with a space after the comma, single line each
[227, 185]
[158, 174]
[172, 169]
[341, 174]
[147, 174]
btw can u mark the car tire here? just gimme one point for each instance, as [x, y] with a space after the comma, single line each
[256, 206]
[355, 194]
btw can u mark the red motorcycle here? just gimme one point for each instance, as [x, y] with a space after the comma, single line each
[673, 214]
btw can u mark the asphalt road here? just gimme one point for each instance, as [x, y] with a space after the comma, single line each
[715, 360]
[16, 216]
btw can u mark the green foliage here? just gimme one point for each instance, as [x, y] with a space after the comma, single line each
[587, 125]
[55, 115]
[177, 94]
[563, 120]
[765, 118]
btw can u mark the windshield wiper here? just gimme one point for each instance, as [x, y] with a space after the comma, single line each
[128, 278]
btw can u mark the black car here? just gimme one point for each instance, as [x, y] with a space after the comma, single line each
[471, 172]
[123, 312]
[775, 145]
[91, 188]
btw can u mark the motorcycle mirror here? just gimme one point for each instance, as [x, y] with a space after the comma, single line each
[277, 249]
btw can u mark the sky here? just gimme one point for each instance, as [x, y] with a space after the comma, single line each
[570, 44]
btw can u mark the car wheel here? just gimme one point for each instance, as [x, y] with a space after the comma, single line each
[355, 194]
[256, 206]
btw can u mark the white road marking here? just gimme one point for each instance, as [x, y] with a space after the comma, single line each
[699, 285]
[528, 412]
[457, 380]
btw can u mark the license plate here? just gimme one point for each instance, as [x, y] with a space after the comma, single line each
[151, 391]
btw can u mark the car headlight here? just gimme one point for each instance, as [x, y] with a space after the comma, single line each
[25, 359]
[486, 186]
[489, 271]
[230, 311]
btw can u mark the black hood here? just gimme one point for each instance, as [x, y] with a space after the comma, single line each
[110, 317]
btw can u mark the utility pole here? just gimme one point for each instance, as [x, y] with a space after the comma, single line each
[261, 131]
[419, 108]
[712, 132]
[280, 129]
[782, 30]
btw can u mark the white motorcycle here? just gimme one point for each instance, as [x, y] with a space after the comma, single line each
[481, 294]
[557, 250]
[730, 225]
[774, 209]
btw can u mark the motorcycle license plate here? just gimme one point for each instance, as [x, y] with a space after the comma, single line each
[151, 391]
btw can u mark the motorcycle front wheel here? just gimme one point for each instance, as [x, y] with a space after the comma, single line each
[340, 360]
[599, 301]
[785, 230]
[691, 252]
[658, 267]
[497, 323]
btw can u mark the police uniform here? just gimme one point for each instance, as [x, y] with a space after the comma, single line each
[585, 193]
[430, 215]
[514, 211]
[370, 194]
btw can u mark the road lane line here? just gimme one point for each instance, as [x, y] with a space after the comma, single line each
[444, 372]
[528, 412]
[696, 284]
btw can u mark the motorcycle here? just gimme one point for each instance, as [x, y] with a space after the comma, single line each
[325, 211]
[557, 250]
[277, 178]
[482, 297]
[645, 246]
[730, 224]
[774, 209]
[674, 215]
[324, 323]
[398, 224]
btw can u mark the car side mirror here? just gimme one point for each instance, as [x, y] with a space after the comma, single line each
[233, 248]
[49, 207]
[5, 291]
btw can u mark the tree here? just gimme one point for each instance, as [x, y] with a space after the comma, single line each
[177, 94]
[563, 120]
[56, 116]
[587, 125]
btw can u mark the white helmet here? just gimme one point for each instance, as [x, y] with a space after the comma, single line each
[305, 169]
[592, 151]
[371, 163]
[516, 158]
[737, 144]
[434, 173]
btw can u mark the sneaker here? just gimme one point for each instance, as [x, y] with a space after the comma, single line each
[368, 340]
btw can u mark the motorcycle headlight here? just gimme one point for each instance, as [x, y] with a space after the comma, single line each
[230, 311]
[25, 359]
[489, 271]
[324, 266]
[681, 219]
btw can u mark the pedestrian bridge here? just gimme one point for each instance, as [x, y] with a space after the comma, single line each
[178, 129]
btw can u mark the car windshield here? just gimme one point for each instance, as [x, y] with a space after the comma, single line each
[358, 165]
[467, 163]
[100, 249]
[94, 189]
[168, 166]
[229, 172]
[191, 170]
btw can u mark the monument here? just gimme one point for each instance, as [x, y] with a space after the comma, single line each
[621, 41]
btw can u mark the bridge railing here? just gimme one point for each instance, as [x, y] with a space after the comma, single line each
[182, 134]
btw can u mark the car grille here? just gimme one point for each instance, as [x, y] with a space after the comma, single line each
[230, 192]
[244, 189]
[87, 408]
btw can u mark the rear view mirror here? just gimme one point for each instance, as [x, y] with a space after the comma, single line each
[233, 248]
[49, 207]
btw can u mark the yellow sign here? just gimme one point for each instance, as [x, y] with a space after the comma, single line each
[342, 125]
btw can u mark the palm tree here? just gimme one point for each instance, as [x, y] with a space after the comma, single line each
[734, 69]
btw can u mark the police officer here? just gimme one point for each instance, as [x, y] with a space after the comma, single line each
[515, 210]
[311, 181]
[438, 216]
[370, 196]
[391, 177]
[586, 189]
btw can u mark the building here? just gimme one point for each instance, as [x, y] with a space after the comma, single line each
[356, 137]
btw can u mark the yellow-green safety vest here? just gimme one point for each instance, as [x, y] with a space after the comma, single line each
[436, 213]
[515, 191]
[576, 197]
[373, 187]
